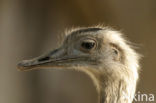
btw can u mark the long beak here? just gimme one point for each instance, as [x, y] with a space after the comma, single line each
[56, 58]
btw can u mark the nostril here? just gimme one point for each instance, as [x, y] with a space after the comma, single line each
[44, 59]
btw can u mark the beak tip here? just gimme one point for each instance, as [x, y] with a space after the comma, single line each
[23, 65]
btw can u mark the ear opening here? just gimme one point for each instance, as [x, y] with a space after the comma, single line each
[117, 52]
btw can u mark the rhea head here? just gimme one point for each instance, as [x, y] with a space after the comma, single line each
[100, 52]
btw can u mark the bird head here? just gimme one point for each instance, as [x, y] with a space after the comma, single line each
[96, 48]
[82, 48]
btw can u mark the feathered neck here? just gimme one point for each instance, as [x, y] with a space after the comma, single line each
[112, 88]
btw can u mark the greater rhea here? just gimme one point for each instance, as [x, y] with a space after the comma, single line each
[100, 52]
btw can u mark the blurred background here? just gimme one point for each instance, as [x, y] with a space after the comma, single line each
[29, 28]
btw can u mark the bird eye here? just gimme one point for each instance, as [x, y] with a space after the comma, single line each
[88, 44]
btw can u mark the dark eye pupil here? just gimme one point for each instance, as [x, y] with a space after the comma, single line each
[88, 45]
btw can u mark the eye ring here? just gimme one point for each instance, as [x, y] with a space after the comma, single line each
[88, 45]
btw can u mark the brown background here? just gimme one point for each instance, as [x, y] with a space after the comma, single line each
[29, 28]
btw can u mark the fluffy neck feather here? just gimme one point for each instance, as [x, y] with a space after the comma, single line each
[113, 88]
